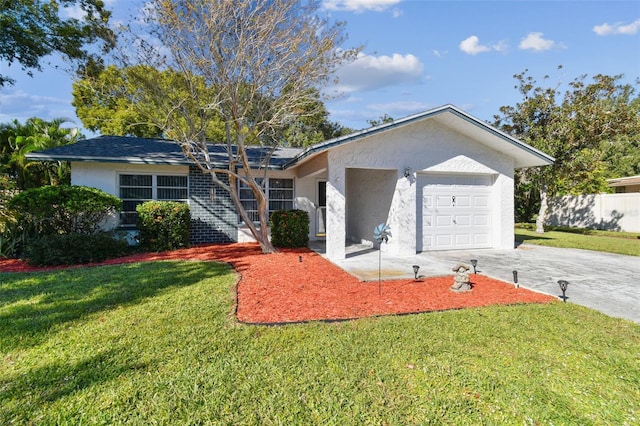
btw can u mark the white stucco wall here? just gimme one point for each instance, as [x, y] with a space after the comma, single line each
[104, 176]
[424, 147]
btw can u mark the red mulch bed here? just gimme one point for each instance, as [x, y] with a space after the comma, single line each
[279, 288]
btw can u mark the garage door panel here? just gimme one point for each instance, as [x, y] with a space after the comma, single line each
[443, 201]
[443, 241]
[463, 240]
[442, 221]
[462, 220]
[481, 220]
[481, 239]
[481, 201]
[463, 201]
[456, 212]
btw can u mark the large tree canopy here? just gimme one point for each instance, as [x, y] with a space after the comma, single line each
[113, 102]
[110, 101]
[580, 130]
[255, 65]
[33, 29]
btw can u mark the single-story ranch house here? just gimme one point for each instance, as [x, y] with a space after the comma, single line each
[441, 180]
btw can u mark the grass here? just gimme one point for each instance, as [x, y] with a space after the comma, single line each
[157, 343]
[588, 239]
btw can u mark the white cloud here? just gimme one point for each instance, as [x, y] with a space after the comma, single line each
[534, 41]
[399, 109]
[471, 45]
[370, 72]
[24, 106]
[617, 28]
[76, 12]
[359, 118]
[359, 6]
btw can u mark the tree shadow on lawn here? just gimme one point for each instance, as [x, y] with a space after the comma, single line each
[45, 385]
[522, 238]
[31, 304]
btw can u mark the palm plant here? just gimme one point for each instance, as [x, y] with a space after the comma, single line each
[17, 140]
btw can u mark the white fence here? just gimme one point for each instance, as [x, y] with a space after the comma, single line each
[616, 212]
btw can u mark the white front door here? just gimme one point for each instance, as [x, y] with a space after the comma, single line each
[321, 208]
[456, 212]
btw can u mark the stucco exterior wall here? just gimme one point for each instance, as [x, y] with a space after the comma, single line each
[423, 147]
[104, 176]
[370, 195]
[307, 200]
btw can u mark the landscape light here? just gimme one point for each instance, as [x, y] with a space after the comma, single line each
[474, 263]
[515, 278]
[563, 286]
[416, 268]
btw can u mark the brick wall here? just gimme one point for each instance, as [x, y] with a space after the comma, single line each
[213, 216]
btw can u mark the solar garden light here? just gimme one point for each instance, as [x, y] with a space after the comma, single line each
[563, 286]
[416, 268]
[474, 263]
[515, 278]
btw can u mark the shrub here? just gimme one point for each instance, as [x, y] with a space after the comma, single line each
[13, 239]
[63, 209]
[290, 228]
[163, 225]
[71, 249]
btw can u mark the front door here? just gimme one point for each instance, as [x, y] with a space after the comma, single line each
[321, 209]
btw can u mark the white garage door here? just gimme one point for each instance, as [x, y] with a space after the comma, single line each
[456, 212]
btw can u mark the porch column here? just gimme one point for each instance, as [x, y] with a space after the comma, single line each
[336, 214]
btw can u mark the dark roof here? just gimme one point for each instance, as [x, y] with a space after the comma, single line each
[127, 149]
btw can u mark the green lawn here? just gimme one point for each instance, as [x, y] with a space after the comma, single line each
[157, 343]
[607, 241]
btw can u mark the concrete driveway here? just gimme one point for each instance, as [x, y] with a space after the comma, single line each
[609, 283]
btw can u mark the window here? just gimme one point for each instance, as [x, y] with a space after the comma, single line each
[279, 196]
[136, 189]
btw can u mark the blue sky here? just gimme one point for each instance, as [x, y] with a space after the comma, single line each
[422, 54]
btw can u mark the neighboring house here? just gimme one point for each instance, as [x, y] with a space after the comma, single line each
[441, 180]
[625, 185]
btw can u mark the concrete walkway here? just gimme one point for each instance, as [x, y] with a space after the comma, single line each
[606, 282]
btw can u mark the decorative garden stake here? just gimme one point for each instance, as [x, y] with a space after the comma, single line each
[515, 278]
[416, 268]
[381, 234]
[474, 263]
[563, 286]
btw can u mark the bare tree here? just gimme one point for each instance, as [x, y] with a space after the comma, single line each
[252, 64]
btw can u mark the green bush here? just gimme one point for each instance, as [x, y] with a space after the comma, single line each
[290, 228]
[13, 239]
[163, 225]
[72, 249]
[63, 209]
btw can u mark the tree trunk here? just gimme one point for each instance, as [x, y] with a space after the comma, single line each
[261, 235]
[542, 213]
